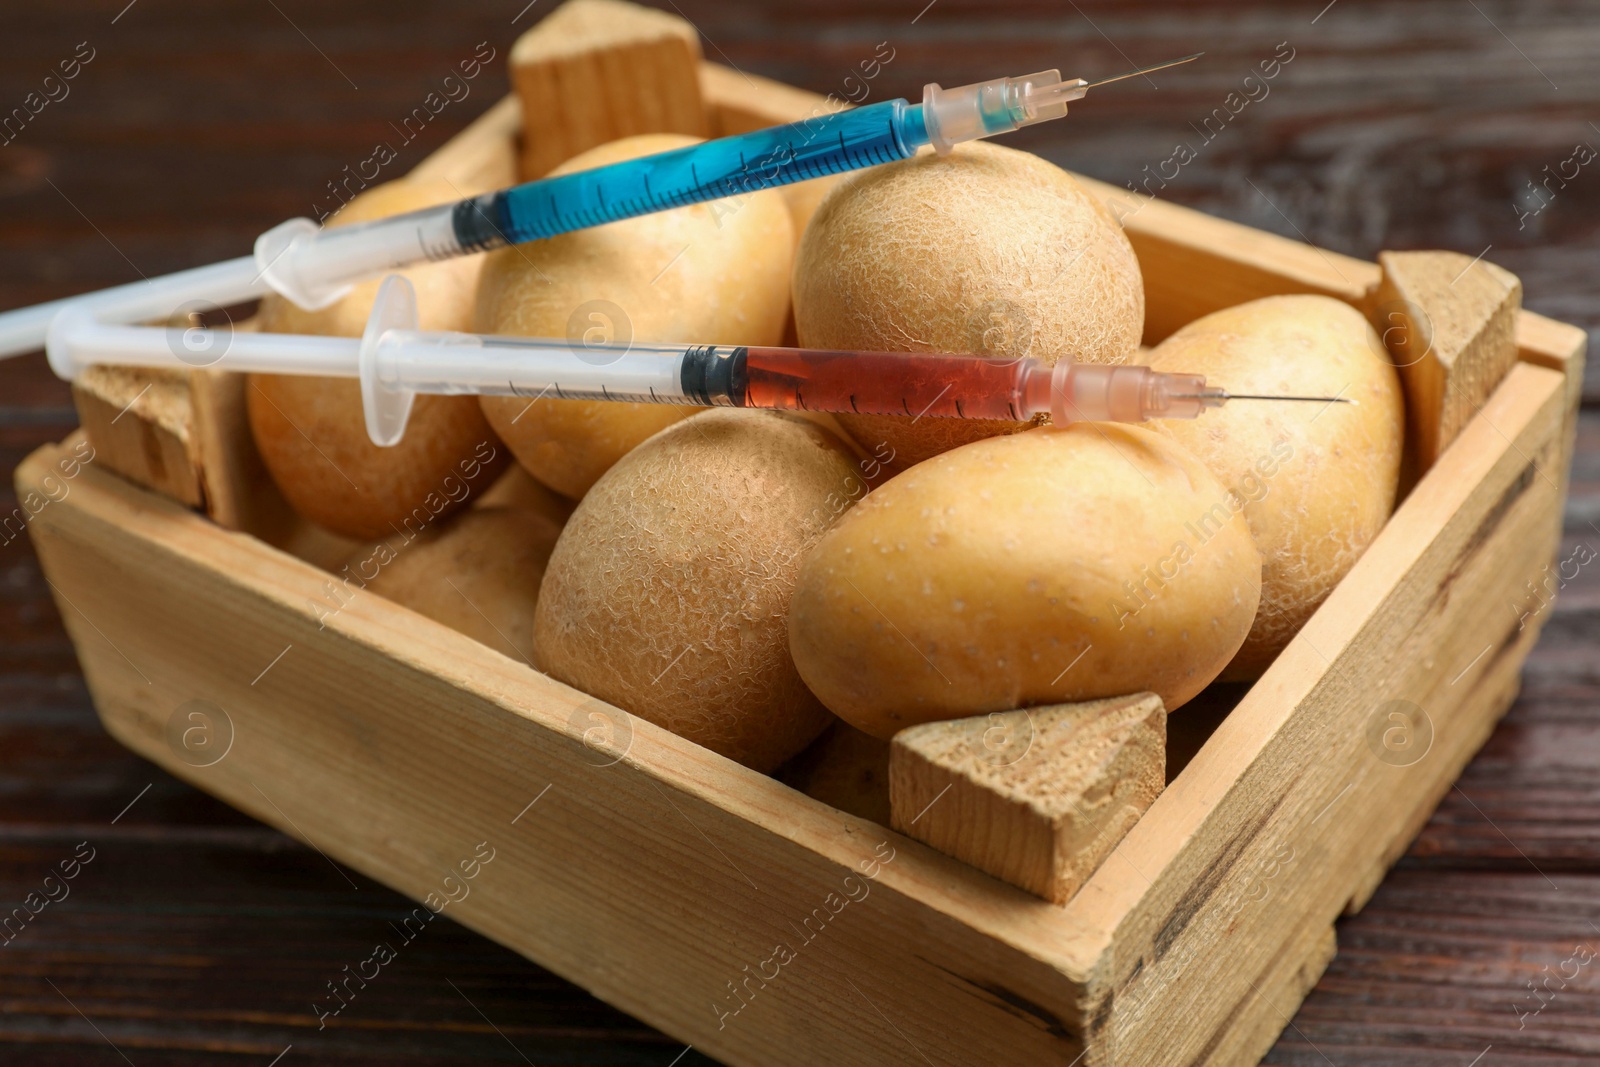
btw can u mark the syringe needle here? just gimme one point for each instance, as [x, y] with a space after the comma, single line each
[1236, 395]
[1307, 399]
[1144, 70]
[1215, 398]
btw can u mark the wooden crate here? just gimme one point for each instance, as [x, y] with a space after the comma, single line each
[662, 877]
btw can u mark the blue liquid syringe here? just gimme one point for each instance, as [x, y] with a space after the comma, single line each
[313, 267]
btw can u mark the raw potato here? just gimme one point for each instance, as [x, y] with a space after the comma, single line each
[480, 575]
[1045, 567]
[845, 769]
[713, 273]
[668, 592]
[1316, 482]
[985, 250]
[516, 488]
[312, 437]
[311, 432]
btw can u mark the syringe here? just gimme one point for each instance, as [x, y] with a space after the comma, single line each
[394, 362]
[313, 267]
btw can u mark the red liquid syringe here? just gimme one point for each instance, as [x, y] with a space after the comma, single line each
[394, 362]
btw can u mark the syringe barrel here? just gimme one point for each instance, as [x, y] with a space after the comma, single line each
[457, 363]
[826, 143]
[915, 384]
[1092, 392]
[314, 267]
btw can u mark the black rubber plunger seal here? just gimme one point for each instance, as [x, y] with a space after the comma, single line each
[478, 224]
[715, 377]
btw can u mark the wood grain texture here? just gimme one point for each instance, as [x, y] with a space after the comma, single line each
[143, 424]
[597, 70]
[1398, 125]
[659, 870]
[1037, 797]
[1450, 322]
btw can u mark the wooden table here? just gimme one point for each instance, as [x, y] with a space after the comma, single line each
[195, 935]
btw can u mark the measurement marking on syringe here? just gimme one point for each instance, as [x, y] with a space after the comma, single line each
[932, 402]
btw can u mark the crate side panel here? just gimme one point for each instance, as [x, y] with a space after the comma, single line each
[1194, 263]
[618, 876]
[1316, 779]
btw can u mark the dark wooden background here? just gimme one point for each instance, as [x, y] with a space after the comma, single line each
[198, 936]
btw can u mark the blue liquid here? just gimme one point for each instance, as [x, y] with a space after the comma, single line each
[728, 167]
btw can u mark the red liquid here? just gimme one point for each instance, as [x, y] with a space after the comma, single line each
[885, 383]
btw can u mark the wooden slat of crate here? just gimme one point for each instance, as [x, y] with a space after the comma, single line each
[396, 745]
[1289, 796]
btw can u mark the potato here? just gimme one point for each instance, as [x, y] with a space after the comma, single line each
[845, 769]
[713, 273]
[1044, 567]
[516, 488]
[986, 250]
[1316, 482]
[311, 433]
[667, 594]
[480, 575]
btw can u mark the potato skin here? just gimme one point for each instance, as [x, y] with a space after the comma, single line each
[985, 250]
[311, 432]
[1316, 482]
[1042, 567]
[480, 575]
[714, 273]
[668, 591]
